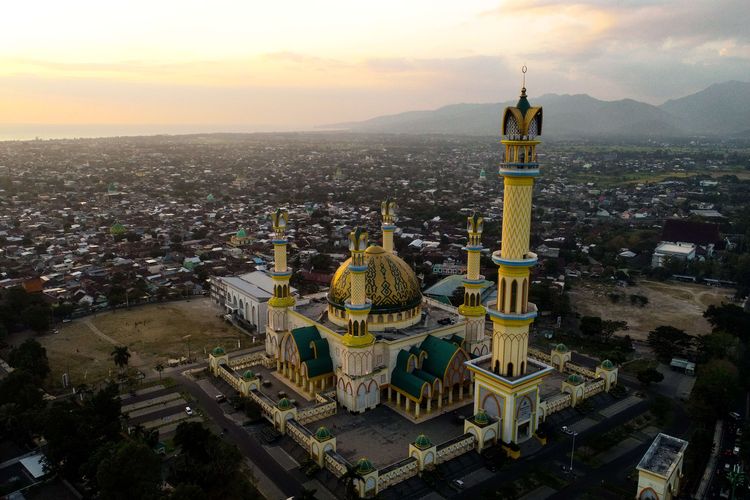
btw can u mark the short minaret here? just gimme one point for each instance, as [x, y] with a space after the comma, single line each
[358, 306]
[513, 315]
[388, 212]
[356, 370]
[282, 300]
[472, 309]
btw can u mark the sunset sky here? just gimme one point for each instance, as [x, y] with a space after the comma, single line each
[251, 65]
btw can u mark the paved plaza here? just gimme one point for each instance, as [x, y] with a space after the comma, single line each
[383, 436]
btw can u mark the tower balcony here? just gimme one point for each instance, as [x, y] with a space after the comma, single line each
[530, 169]
[529, 259]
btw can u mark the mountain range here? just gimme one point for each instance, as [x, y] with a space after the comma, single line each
[721, 109]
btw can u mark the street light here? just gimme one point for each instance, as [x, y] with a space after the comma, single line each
[573, 433]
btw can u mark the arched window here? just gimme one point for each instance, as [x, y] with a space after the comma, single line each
[466, 297]
[497, 368]
[510, 370]
[356, 329]
[502, 295]
[525, 295]
[513, 295]
[285, 290]
[523, 365]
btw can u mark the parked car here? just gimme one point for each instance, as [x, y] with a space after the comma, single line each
[189, 410]
[220, 398]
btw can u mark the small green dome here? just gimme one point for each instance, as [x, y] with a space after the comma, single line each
[422, 442]
[364, 466]
[117, 229]
[241, 233]
[481, 417]
[607, 364]
[210, 197]
[322, 434]
[284, 404]
[248, 375]
[575, 379]
[218, 351]
[561, 348]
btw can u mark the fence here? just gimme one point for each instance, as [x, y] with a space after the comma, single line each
[593, 388]
[325, 408]
[228, 374]
[335, 463]
[580, 370]
[299, 433]
[265, 403]
[455, 447]
[541, 356]
[397, 472]
[557, 403]
[248, 360]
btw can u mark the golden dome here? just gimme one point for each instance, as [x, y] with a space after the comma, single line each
[390, 283]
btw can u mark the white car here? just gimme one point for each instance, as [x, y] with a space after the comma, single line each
[188, 410]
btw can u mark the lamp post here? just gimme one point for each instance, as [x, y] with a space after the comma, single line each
[573, 433]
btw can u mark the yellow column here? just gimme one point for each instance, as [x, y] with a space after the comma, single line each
[388, 212]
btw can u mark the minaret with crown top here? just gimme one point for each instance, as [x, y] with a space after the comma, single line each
[358, 343]
[472, 309]
[388, 213]
[513, 313]
[506, 381]
[282, 300]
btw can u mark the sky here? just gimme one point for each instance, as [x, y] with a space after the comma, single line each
[244, 65]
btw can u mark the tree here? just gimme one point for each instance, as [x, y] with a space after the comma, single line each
[715, 389]
[37, 317]
[209, 463]
[120, 356]
[668, 341]
[591, 326]
[729, 318]
[31, 357]
[131, 471]
[610, 327]
[649, 375]
[159, 368]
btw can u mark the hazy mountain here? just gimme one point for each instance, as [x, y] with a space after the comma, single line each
[721, 109]
[581, 114]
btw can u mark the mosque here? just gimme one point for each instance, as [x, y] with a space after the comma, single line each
[376, 340]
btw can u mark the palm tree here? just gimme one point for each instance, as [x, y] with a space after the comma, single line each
[120, 356]
[160, 368]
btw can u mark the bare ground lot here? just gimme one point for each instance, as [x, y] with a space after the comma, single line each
[153, 334]
[676, 304]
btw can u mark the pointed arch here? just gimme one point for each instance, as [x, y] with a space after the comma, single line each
[513, 295]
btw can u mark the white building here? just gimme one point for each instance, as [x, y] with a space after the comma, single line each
[244, 296]
[681, 251]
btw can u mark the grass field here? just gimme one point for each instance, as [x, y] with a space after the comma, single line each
[675, 304]
[153, 334]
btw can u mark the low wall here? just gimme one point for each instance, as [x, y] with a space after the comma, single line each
[555, 404]
[580, 370]
[299, 433]
[593, 388]
[397, 472]
[455, 447]
[336, 464]
[539, 355]
[325, 408]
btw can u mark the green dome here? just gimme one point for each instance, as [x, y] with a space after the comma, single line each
[481, 417]
[284, 404]
[575, 379]
[607, 364]
[422, 442]
[364, 466]
[241, 233]
[218, 351]
[117, 229]
[210, 197]
[561, 348]
[322, 434]
[248, 375]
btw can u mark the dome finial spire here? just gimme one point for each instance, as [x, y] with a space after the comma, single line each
[523, 86]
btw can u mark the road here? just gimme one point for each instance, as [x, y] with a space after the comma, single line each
[247, 444]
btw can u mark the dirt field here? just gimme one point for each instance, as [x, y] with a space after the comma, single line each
[153, 334]
[676, 304]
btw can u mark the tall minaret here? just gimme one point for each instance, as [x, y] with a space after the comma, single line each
[356, 356]
[472, 309]
[511, 320]
[282, 299]
[388, 212]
